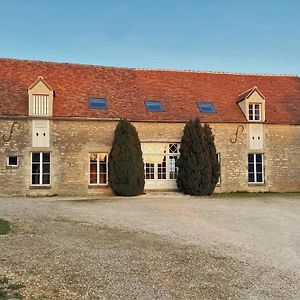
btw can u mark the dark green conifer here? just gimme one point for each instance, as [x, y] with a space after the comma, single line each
[126, 167]
[198, 168]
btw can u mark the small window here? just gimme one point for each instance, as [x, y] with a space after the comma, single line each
[97, 103]
[206, 107]
[254, 112]
[12, 161]
[153, 105]
[255, 168]
[98, 168]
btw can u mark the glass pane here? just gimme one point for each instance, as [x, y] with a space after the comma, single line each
[93, 178]
[259, 177]
[251, 168]
[258, 157]
[103, 168]
[35, 168]
[250, 177]
[46, 168]
[35, 157]
[99, 103]
[102, 178]
[35, 179]
[206, 107]
[93, 168]
[173, 148]
[153, 106]
[46, 157]
[259, 168]
[12, 160]
[46, 178]
[102, 157]
[93, 157]
[250, 158]
[162, 174]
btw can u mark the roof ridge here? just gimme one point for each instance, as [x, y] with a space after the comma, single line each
[216, 72]
[150, 69]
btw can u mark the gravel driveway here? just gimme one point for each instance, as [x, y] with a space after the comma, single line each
[157, 246]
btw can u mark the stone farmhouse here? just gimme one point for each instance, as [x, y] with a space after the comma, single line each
[57, 124]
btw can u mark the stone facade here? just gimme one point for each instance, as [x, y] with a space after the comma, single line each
[71, 141]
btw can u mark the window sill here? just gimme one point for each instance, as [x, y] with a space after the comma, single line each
[97, 186]
[43, 187]
[256, 183]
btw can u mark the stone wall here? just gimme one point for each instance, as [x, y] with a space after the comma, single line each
[72, 141]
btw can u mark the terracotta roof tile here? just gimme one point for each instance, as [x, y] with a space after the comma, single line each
[126, 90]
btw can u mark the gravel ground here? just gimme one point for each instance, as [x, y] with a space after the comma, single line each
[157, 246]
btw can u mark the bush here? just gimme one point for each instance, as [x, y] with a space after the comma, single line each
[126, 167]
[198, 167]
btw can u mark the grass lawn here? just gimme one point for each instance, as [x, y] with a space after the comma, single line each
[4, 227]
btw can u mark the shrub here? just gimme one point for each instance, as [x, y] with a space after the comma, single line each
[126, 167]
[198, 167]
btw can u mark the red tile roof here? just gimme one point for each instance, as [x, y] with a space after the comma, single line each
[126, 90]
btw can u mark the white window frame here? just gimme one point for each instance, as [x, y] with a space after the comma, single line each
[252, 106]
[98, 169]
[168, 164]
[41, 170]
[255, 171]
[7, 161]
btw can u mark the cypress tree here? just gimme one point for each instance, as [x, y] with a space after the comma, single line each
[198, 168]
[126, 166]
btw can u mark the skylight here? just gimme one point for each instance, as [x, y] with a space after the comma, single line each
[97, 103]
[206, 107]
[152, 106]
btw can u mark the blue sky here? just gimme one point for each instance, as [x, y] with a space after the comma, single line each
[257, 36]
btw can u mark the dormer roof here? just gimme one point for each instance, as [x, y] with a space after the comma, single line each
[40, 79]
[245, 95]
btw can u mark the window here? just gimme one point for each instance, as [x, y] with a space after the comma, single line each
[12, 161]
[206, 107]
[40, 105]
[255, 168]
[98, 103]
[160, 160]
[40, 168]
[98, 168]
[149, 170]
[254, 112]
[153, 106]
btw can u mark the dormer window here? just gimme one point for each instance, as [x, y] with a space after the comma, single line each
[254, 111]
[40, 99]
[252, 104]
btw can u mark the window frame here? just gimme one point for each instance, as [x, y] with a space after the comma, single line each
[252, 106]
[10, 156]
[98, 170]
[41, 169]
[154, 101]
[199, 103]
[255, 172]
[90, 99]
